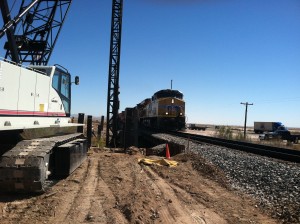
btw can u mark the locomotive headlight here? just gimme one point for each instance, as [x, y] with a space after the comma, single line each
[180, 113]
[167, 113]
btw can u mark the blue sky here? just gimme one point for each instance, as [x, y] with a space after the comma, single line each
[219, 53]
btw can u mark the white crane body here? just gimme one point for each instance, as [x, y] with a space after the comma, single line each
[34, 97]
[30, 98]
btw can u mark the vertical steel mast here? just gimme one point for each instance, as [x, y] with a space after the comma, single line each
[113, 76]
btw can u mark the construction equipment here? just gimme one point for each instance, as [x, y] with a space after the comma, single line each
[113, 76]
[33, 98]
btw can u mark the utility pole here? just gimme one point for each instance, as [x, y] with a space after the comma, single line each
[246, 111]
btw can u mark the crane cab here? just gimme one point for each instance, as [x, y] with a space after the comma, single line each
[60, 81]
[34, 97]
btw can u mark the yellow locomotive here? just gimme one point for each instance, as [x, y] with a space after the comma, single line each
[165, 110]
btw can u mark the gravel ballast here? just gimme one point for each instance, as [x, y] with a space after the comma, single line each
[273, 183]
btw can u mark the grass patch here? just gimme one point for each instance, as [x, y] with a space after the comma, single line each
[228, 132]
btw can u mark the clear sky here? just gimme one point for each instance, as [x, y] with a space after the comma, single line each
[218, 53]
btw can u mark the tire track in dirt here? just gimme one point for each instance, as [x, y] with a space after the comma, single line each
[82, 197]
[94, 200]
[11, 210]
[110, 178]
[46, 206]
[210, 189]
[122, 176]
[102, 206]
[83, 200]
[69, 190]
[150, 198]
[114, 188]
[183, 209]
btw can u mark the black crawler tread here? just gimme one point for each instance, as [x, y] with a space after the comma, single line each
[24, 167]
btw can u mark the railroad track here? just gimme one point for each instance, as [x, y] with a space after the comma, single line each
[264, 150]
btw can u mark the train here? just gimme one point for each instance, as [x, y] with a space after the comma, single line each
[165, 110]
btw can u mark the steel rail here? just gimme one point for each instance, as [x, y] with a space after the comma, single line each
[264, 150]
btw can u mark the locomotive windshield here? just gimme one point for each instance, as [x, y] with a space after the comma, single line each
[168, 93]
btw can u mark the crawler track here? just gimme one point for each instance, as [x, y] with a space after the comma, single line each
[26, 167]
[264, 150]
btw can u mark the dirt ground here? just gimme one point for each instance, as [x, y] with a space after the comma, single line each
[111, 187]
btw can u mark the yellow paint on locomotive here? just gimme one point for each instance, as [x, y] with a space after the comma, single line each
[164, 110]
[171, 107]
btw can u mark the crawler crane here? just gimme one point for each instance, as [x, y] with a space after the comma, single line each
[35, 97]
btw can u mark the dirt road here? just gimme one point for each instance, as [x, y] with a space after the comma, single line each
[114, 188]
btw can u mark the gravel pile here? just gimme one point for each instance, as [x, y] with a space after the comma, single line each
[275, 184]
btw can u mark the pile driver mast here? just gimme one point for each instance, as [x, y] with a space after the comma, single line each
[113, 76]
[32, 34]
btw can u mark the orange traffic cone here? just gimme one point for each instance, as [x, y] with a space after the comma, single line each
[167, 152]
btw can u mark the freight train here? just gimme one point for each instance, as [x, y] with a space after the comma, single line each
[165, 110]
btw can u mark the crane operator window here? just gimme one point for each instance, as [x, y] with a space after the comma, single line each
[61, 83]
[55, 81]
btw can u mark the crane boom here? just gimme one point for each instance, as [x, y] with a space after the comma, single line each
[8, 29]
[34, 38]
[9, 23]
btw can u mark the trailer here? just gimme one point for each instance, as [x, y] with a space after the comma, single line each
[199, 127]
[261, 126]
